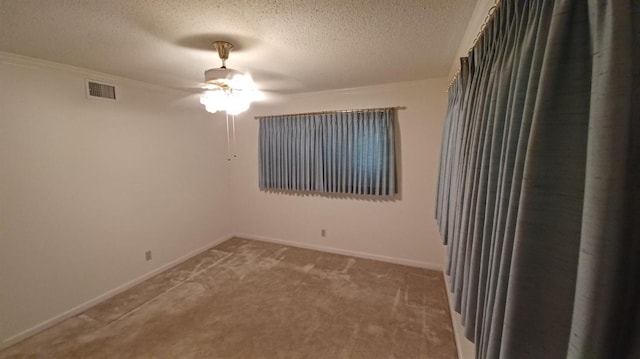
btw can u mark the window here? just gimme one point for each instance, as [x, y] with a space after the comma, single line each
[334, 152]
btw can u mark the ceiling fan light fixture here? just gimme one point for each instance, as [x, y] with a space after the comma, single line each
[229, 90]
[232, 101]
[214, 100]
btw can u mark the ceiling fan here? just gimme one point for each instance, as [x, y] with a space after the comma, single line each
[228, 89]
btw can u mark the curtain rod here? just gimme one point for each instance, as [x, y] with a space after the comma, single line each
[336, 111]
[487, 18]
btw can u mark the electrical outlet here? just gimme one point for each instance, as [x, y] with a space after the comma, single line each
[147, 255]
[323, 232]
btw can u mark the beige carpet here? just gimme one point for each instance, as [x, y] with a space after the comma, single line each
[250, 299]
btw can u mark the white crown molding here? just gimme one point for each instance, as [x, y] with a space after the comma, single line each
[21, 60]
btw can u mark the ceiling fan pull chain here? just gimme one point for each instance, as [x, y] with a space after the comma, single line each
[228, 142]
[233, 124]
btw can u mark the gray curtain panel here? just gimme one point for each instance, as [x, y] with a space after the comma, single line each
[538, 192]
[334, 152]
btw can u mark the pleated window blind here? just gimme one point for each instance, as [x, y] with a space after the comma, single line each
[539, 189]
[337, 152]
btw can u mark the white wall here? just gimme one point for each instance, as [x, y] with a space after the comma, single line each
[402, 230]
[87, 186]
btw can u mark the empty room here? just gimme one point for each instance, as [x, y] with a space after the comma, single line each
[431, 179]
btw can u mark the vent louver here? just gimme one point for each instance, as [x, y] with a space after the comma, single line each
[101, 90]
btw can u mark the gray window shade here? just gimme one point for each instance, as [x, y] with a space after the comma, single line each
[350, 152]
[539, 187]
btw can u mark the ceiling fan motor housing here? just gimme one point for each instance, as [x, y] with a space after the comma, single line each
[220, 76]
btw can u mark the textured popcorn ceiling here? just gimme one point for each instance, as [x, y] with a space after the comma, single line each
[287, 45]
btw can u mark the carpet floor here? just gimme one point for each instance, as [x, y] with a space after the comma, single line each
[251, 299]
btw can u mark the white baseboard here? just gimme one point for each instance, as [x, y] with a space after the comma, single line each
[102, 297]
[346, 252]
[466, 349]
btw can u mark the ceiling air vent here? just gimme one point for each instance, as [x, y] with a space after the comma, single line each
[101, 90]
